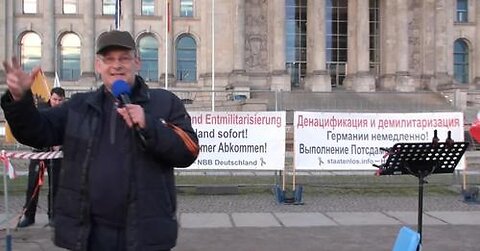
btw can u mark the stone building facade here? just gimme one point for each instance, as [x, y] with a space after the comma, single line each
[312, 45]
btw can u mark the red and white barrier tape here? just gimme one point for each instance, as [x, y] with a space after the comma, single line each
[34, 155]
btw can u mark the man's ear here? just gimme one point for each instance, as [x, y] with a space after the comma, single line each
[97, 64]
[138, 64]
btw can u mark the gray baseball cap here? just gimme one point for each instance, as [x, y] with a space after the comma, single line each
[115, 38]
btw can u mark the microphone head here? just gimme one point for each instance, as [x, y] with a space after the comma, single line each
[120, 87]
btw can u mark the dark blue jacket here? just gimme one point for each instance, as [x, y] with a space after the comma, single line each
[151, 214]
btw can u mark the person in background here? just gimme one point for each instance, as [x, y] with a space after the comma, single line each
[117, 186]
[57, 96]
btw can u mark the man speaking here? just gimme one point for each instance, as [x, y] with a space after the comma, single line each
[117, 189]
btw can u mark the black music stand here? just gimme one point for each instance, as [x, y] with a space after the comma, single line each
[421, 160]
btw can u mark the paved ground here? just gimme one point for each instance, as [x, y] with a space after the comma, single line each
[256, 222]
[338, 238]
[247, 222]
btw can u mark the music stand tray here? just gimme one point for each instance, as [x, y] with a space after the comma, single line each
[421, 160]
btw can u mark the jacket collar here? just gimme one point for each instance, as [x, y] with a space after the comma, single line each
[140, 91]
[140, 94]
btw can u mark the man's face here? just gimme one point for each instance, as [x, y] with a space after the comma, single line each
[56, 100]
[117, 64]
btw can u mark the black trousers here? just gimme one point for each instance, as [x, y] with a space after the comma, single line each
[31, 201]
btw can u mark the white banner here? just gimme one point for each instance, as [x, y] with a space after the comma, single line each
[240, 140]
[352, 141]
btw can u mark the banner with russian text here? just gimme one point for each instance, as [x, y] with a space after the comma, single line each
[352, 141]
[240, 140]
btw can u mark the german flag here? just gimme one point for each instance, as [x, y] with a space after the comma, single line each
[9, 139]
[41, 88]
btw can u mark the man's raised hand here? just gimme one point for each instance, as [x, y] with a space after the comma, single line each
[18, 81]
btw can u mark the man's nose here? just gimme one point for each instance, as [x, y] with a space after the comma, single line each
[117, 63]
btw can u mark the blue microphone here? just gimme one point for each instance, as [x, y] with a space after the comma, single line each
[121, 90]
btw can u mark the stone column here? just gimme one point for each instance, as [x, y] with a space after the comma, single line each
[6, 18]
[3, 29]
[362, 80]
[204, 49]
[280, 80]
[476, 55]
[317, 78]
[449, 22]
[239, 36]
[428, 42]
[404, 82]
[238, 74]
[88, 47]
[362, 39]
[49, 41]
[388, 66]
[128, 15]
[10, 28]
[441, 44]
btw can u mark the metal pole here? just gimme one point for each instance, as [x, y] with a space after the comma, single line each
[167, 27]
[294, 173]
[51, 186]
[421, 181]
[464, 175]
[118, 12]
[213, 55]
[54, 38]
[276, 100]
[8, 237]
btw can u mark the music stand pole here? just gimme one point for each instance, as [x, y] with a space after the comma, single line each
[421, 181]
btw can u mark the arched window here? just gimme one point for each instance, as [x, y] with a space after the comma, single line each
[460, 61]
[186, 49]
[30, 50]
[148, 48]
[70, 57]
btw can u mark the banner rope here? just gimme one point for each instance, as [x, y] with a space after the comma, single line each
[34, 155]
